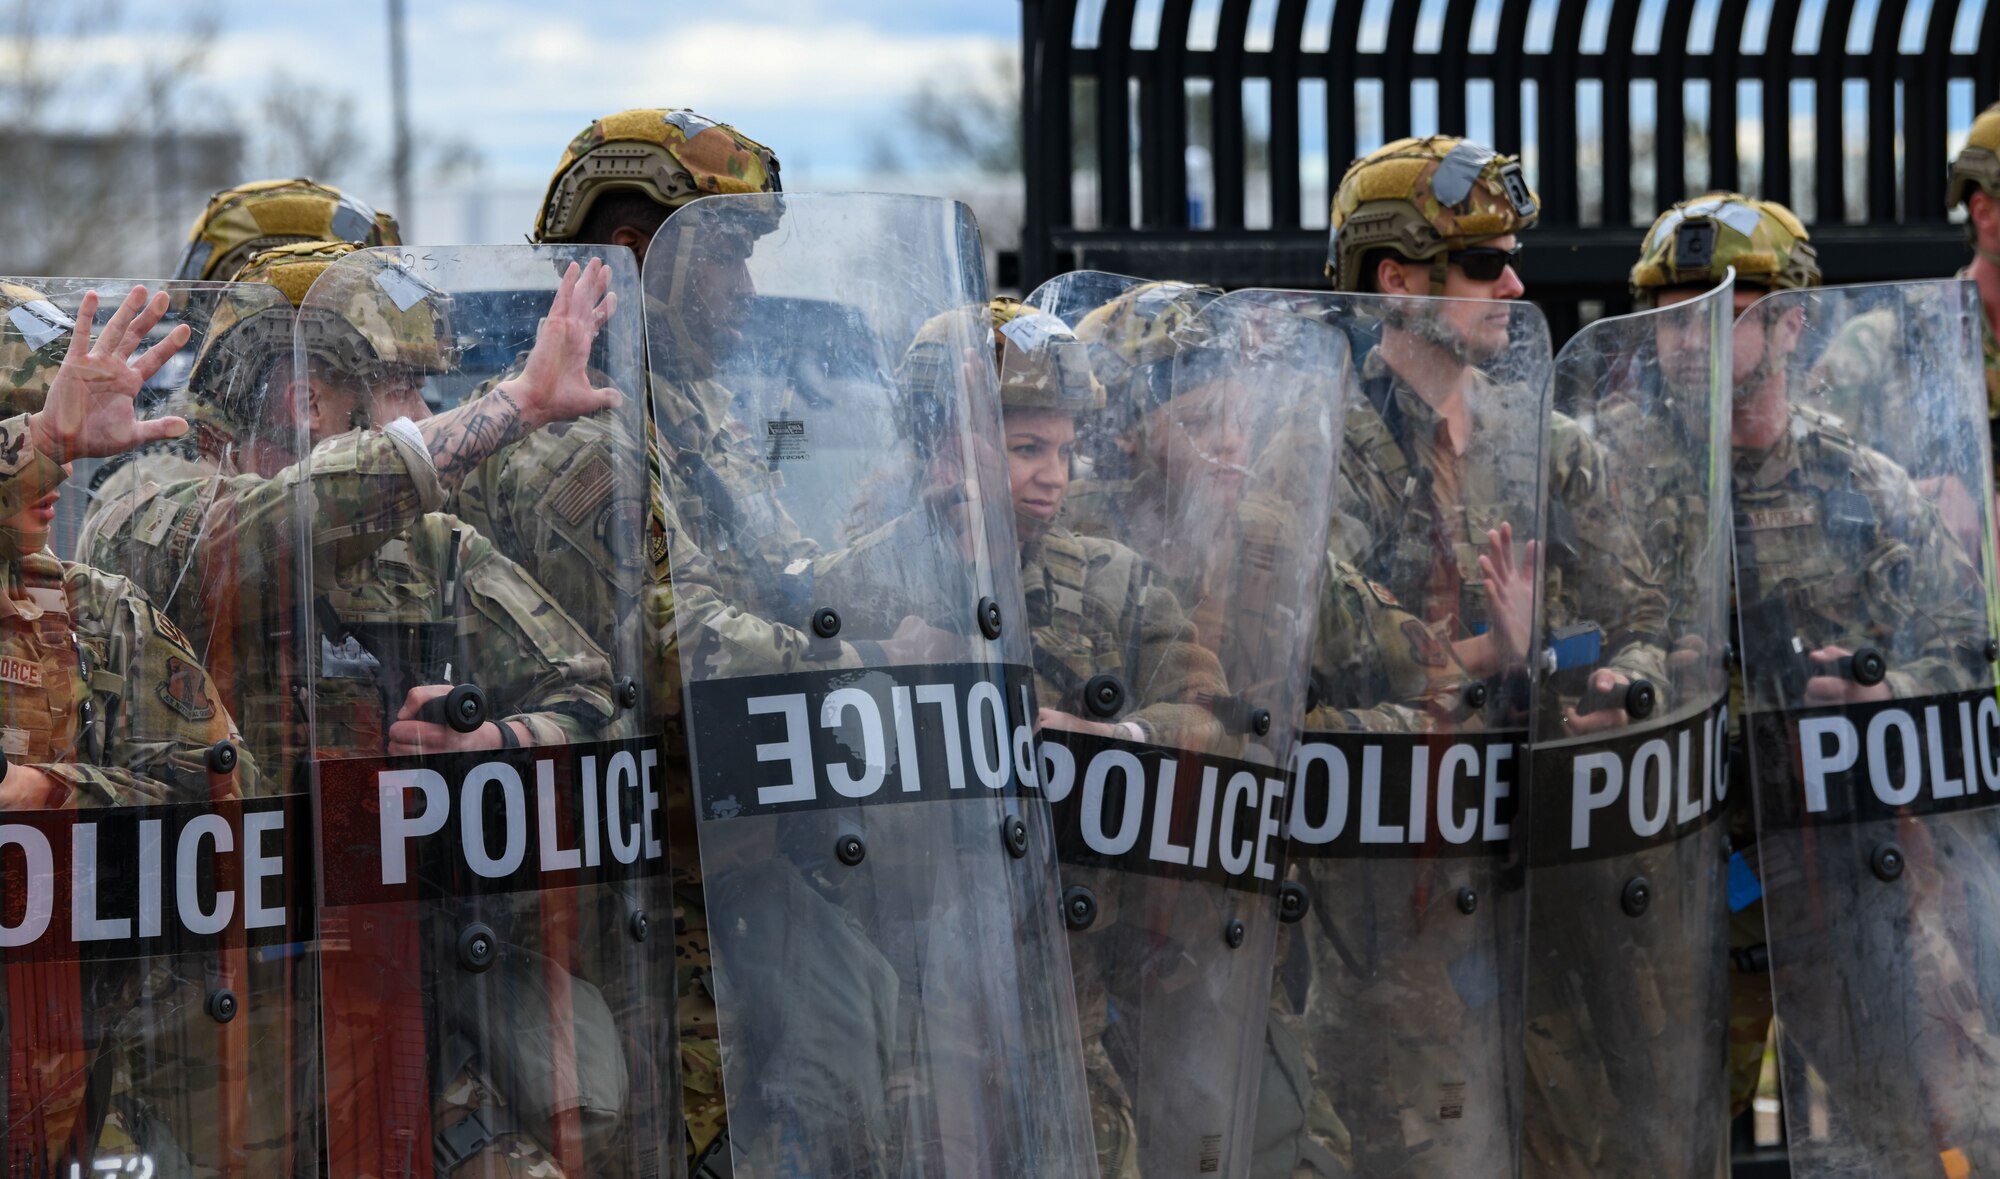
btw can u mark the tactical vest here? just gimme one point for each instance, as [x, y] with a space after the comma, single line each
[45, 707]
[1076, 635]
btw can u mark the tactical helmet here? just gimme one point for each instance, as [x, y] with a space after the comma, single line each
[363, 317]
[1042, 363]
[240, 221]
[1423, 198]
[1978, 162]
[34, 335]
[672, 156]
[1695, 243]
[1134, 338]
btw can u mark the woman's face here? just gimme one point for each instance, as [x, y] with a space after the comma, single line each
[33, 523]
[1040, 444]
[1196, 439]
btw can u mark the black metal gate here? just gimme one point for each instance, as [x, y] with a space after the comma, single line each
[1116, 91]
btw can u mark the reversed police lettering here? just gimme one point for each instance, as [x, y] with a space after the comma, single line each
[127, 882]
[1628, 789]
[1400, 795]
[495, 821]
[855, 737]
[1861, 762]
[1163, 812]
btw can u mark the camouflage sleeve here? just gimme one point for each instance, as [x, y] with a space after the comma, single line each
[1171, 673]
[1605, 573]
[1919, 581]
[240, 530]
[157, 711]
[535, 663]
[1375, 666]
[1858, 377]
[26, 474]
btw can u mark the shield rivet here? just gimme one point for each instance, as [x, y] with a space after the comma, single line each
[477, 946]
[1992, 650]
[989, 618]
[221, 757]
[1103, 694]
[1233, 933]
[1260, 722]
[826, 622]
[626, 692]
[1468, 900]
[638, 925]
[1475, 697]
[850, 850]
[1870, 668]
[1079, 907]
[1014, 833]
[221, 1005]
[1640, 699]
[1292, 901]
[1638, 896]
[1887, 862]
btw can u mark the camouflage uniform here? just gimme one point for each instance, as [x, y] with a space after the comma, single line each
[1978, 165]
[107, 697]
[670, 156]
[245, 220]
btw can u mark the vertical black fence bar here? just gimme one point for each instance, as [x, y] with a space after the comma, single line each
[1342, 76]
[1986, 62]
[1510, 51]
[1882, 111]
[1398, 69]
[1556, 108]
[1167, 106]
[1045, 141]
[1114, 115]
[1227, 135]
[1726, 68]
[1670, 136]
[1829, 125]
[1453, 58]
[1777, 108]
[1925, 100]
[1286, 146]
[1616, 130]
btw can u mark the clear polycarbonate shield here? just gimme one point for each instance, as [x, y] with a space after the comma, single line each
[1866, 609]
[157, 951]
[1396, 1002]
[494, 900]
[1627, 760]
[891, 985]
[1073, 296]
[1171, 609]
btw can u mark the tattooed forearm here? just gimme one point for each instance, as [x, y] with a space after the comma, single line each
[464, 437]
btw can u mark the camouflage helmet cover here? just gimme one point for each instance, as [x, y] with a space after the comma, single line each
[1042, 363]
[1423, 198]
[670, 155]
[243, 220]
[34, 334]
[363, 317]
[1134, 338]
[1694, 244]
[1977, 164]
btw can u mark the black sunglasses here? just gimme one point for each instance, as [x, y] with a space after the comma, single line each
[1485, 263]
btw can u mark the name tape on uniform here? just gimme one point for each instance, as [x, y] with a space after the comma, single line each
[127, 882]
[1628, 789]
[494, 821]
[1855, 763]
[1403, 795]
[1164, 812]
[814, 740]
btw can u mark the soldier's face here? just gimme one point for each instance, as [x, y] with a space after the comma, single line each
[1764, 339]
[31, 525]
[1040, 445]
[710, 288]
[1682, 341]
[1196, 439]
[1479, 331]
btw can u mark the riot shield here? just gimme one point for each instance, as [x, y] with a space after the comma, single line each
[1171, 608]
[1401, 980]
[881, 888]
[494, 904]
[1866, 632]
[1627, 763]
[158, 962]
